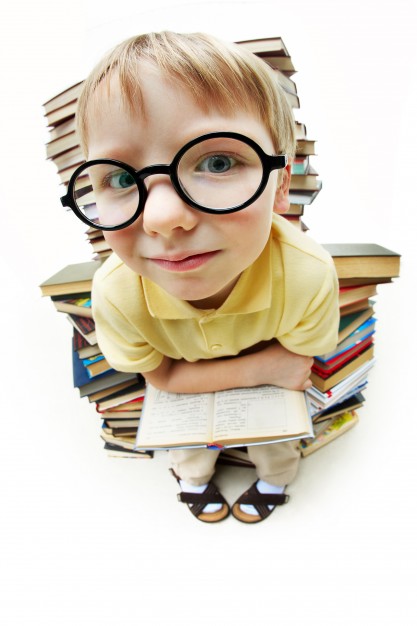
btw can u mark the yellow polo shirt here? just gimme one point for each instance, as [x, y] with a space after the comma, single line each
[290, 293]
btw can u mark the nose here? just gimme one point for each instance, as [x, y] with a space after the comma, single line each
[164, 210]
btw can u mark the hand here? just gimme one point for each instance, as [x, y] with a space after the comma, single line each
[278, 366]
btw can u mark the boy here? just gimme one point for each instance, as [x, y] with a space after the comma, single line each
[208, 287]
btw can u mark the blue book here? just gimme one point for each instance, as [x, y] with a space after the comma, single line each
[93, 359]
[79, 372]
[106, 380]
[362, 333]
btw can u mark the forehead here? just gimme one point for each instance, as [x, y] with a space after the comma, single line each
[158, 110]
[135, 92]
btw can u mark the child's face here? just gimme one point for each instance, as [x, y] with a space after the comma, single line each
[194, 256]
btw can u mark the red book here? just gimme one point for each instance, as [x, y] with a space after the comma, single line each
[326, 370]
[85, 326]
[349, 295]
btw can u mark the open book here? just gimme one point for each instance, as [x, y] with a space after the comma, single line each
[235, 417]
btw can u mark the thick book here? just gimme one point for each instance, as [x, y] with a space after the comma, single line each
[304, 182]
[304, 196]
[223, 419]
[62, 144]
[352, 295]
[120, 452]
[362, 260]
[83, 348]
[72, 279]
[107, 380]
[351, 384]
[85, 326]
[96, 365]
[324, 384]
[327, 368]
[77, 306]
[268, 45]
[133, 393]
[349, 323]
[67, 159]
[355, 307]
[126, 443]
[351, 403]
[305, 147]
[68, 126]
[64, 113]
[63, 98]
[364, 331]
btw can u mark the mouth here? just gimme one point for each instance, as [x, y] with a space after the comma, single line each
[184, 263]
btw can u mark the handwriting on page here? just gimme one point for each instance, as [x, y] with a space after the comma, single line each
[246, 409]
[180, 416]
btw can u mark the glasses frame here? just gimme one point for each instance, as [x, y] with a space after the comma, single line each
[269, 163]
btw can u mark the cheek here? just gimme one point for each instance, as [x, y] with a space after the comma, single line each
[259, 215]
[112, 239]
[259, 223]
[249, 229]
[122, 242]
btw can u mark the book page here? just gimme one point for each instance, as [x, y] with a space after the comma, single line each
[174, 419]
[259, 412]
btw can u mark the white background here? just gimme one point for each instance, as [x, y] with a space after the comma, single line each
[90, 540]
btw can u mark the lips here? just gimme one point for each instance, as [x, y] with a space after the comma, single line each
[184, 263]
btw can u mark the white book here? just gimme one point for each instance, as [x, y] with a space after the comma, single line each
[236, 417]
[325, 399]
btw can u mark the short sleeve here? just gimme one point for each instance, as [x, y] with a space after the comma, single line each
[317, 331]
[120, 342]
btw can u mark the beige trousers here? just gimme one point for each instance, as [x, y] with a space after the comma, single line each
[276, 463]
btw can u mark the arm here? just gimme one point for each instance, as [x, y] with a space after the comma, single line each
[273, 365]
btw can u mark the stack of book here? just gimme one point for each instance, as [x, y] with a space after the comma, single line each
[339, 378]
[117, 396]
[304, 185]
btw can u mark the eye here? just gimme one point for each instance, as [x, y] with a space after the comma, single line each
[120, 179]
[216, 164]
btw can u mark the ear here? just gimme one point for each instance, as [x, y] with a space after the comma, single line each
[282, 202]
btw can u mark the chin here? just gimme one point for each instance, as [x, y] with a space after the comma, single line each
[189, 295]
[199, 298]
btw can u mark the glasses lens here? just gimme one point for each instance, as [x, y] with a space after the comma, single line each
[106, 194]
[220, 173]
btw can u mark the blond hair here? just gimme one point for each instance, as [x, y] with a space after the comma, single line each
[215, 73]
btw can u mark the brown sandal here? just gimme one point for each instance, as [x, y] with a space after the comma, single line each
[260, 501]
[198, 501]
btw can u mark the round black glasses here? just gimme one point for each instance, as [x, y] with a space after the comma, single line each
[216, 173]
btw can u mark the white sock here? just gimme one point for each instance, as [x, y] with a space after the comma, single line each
[209, 508]
[262, 487]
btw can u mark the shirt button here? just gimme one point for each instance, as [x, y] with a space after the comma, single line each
[216, 346]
